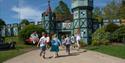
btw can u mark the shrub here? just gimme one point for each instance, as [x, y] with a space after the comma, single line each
[82, 43]
[27, 30]
[100, 37]
[119, 34]
[111, 27]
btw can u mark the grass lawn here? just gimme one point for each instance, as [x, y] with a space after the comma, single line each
[114, 50]
[20, 49]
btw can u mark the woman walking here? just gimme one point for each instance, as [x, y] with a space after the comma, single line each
[78, 40]
[55, 43]
[67, 44]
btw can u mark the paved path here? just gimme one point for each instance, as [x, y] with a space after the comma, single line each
[75, 57]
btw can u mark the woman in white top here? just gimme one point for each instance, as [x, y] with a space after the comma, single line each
[78, 38]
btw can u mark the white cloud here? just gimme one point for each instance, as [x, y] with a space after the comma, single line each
[27, 13]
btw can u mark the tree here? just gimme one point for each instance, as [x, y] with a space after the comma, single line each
[97, 14]
[111, 10]
[122, 10]
[119, 34]
[27, 31]
[2, 23]
[25, 21]
[62, 11]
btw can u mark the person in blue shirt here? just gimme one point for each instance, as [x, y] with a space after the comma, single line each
[55, 43]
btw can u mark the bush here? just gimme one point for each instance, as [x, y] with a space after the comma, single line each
[119, 34]
[111, 27]
[100, 37]
[82, 43]
[27, 31]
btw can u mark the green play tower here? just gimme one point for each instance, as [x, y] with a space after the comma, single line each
[82, 18]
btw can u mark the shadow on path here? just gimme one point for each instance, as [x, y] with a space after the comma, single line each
[60, 56]
[71, 54]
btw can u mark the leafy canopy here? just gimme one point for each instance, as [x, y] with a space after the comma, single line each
[25, 21]
[2, 23]
[28, 30]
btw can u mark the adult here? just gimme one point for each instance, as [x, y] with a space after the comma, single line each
[55, 43]
[67, 44]
[34, 37]
[78, 38]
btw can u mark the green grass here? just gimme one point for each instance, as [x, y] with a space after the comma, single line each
[114, 50]
[20, 49]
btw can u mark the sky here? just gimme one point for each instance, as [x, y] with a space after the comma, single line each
[12, 11]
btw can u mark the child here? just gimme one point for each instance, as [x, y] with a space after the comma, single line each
[42, 43]
[73, 41]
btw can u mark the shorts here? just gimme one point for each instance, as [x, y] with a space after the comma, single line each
[43, 48]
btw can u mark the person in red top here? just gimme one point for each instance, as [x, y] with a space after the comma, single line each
[34, 37]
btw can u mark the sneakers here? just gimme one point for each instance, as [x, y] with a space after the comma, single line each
[43, 56]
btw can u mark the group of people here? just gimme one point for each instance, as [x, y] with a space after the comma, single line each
[45, 41]
[54, 43]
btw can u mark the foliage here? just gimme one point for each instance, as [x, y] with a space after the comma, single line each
[122, 10]
[119, 34]
[97, 14]
[111, 10]
[2, 23]
[27, 31]
[111, 27]
[100, 37]
[24, 21]
[82, 43]
[8, 54]
[62, 10]
[20, 49]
